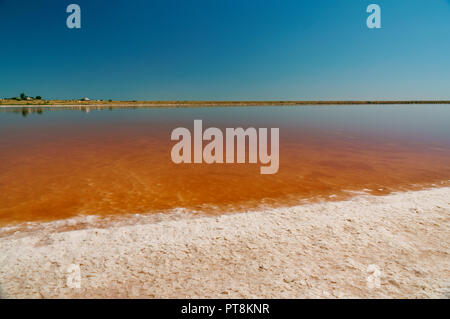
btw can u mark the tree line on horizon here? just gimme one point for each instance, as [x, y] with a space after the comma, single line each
[23, 97]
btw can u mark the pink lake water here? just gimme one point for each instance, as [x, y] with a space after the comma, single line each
[61, 163]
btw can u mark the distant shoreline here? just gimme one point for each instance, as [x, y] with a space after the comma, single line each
[104, 103]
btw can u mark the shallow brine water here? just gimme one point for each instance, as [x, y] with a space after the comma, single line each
[60, 163]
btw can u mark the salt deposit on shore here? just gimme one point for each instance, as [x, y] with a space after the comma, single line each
[389, 246]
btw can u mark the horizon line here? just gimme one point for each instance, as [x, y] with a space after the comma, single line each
[100, 102]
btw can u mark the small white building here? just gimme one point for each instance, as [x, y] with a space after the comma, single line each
[85, 99]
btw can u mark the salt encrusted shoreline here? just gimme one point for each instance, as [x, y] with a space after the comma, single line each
[313, 250]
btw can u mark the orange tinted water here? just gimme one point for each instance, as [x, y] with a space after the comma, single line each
[62, 164]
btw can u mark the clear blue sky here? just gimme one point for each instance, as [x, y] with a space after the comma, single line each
[226, 50]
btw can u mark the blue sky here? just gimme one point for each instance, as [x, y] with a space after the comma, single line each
[226, 50]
